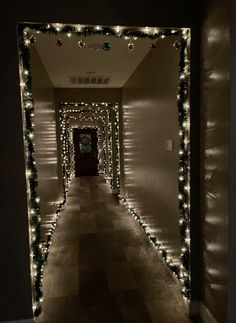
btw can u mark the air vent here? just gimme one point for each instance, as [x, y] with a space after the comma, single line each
[99, 80]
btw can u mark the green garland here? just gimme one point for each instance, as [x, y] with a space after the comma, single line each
[37, 258]
[183, 271]
[86, 31]
[39, 249]
[109, 123]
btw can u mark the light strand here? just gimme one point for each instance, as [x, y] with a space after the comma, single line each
[26, 31]
[182, 271]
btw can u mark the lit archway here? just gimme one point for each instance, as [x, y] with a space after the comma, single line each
[27, 36]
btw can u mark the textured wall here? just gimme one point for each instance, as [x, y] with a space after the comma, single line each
[215, 150]
[232, 202]
[45, 141]
[150, 119]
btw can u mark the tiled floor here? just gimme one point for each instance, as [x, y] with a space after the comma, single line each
[101, 267]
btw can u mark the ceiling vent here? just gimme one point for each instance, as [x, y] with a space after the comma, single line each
[89, 80]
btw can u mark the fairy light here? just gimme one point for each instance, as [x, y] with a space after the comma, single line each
[182, 271]
[40, 251]
[109, 177]
[92, 112]
[36, 256]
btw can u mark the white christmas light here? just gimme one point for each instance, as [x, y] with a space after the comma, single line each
[184, 131]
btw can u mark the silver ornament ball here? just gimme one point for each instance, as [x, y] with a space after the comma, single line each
[81, 44]
[130, 47]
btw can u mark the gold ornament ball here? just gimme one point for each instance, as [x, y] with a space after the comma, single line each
[81, 44]
[106, 46]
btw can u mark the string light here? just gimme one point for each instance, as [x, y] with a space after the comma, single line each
[39, 250]
[92, 112]
[182, 271]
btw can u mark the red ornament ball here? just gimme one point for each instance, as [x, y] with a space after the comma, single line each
[153, 46]
[59, 42]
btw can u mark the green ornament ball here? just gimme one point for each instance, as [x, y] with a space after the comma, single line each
[106, 46]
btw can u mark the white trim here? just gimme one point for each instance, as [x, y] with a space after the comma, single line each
[20, 321]
[206, 315]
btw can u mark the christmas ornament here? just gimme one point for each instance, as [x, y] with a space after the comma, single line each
[81, 44]
[32, 39]
[177, 44]
[130, 47]
[59, 42]
[153, 46]
[106, 46]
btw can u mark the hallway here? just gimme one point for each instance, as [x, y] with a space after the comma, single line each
[101, 266]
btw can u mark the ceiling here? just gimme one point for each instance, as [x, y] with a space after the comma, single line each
[66, 63]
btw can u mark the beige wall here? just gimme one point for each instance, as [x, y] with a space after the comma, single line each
[149, 119]
[87, 95]
[215, 150]
[45, 141]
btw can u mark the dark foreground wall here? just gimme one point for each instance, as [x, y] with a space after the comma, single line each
[215, 117]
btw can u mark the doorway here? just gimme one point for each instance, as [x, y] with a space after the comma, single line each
[85, 152]
[178, 43]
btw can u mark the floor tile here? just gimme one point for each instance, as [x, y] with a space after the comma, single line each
[132, 306]
[101, 267]
[120, 276]
[166, 312]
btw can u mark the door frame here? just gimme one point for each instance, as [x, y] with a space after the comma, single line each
[108, 113]
[26, 37]
[100, 143]
[94, 135]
